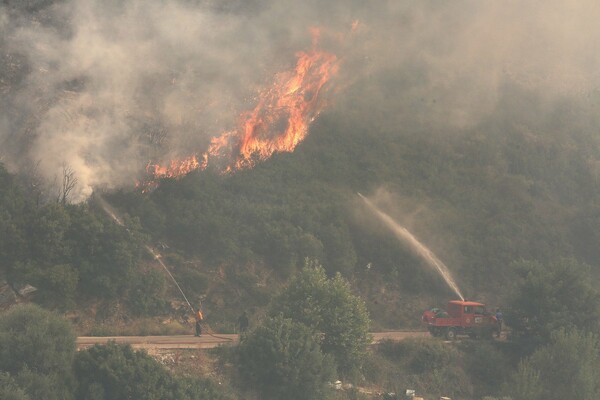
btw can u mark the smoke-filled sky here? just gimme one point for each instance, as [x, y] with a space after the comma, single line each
[105, 86]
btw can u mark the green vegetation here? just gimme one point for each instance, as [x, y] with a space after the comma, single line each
[568, 366]
[328, 307]
[559, 295]
[73, 253]
[117, 372]
[36, 353]
[317, 327]
[283, 359]
[510, 201]
[428, 366]
[38, 361]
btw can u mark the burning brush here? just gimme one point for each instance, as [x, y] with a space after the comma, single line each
[278, 123]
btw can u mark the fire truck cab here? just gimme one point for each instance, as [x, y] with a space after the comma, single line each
[461, 318]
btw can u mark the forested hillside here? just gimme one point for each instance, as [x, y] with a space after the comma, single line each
[481, 200]
[229, 144]
[522, 183]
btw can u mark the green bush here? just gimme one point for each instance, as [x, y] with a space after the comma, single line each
[117, 372]
[393, 350]
[57, 286]
[282, 360]
[37, 350]
[327, 305]
[430, 366]
[487, 366]
[553, 296]
[147, 293]
[192, 280]
[430, 355]
[10, 390]
[567, 367]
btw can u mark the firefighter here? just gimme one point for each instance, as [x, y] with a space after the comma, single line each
[199, 317]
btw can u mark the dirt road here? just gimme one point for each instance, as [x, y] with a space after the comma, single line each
[206, 341]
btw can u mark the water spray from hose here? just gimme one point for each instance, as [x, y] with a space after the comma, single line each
[419, 248]
[111, 213]
[156, 255]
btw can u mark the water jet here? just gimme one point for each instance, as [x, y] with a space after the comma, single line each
[415, 245]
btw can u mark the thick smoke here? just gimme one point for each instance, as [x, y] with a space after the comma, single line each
[105, 86]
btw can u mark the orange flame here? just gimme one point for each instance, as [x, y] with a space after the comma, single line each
[175, 168]
[280, 119]
[278, 123]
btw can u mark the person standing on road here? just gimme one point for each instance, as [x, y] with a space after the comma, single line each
[243, 322]
[499, 318]
[199, 317]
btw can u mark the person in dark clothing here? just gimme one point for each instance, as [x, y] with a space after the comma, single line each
[199, 317]
[499, 318]
[243, 322]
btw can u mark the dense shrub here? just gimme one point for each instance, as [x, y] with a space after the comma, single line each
[117, 372]
[147, 293]
[553, 296]
[37, 350]
[282, 359]
[328, 306]
[567, 367]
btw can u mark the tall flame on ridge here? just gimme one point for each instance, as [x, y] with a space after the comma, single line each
[278, 122]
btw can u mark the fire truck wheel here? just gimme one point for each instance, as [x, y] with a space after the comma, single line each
[451, 334]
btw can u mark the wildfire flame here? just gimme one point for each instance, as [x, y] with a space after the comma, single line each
[278, 123]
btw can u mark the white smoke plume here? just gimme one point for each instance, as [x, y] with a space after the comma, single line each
[105, 86]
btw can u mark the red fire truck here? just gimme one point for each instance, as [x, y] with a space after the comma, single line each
[461, 318]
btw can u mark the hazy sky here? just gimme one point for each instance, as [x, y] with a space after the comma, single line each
[104, 86]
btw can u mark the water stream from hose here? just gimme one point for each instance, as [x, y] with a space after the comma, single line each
[419, 248]
[108, 210]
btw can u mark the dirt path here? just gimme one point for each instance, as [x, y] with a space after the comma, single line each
[206, 341]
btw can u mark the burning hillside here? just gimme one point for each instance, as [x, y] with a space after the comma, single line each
[279, 121]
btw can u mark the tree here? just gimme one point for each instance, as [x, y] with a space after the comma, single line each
[525, 383]
[106, 253]
[37, 350]
[46, 230]
[282, 358]
[328, 306]
[487, 365]
[146, 296]
[57, 285]
[13, 211]
[69, 182]
[567, 367]
[553, 296]
[10, 390]
[117, 372]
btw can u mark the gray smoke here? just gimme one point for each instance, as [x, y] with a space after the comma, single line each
[105, 86]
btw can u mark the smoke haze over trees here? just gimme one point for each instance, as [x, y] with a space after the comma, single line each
[104, 87]
[473, 124]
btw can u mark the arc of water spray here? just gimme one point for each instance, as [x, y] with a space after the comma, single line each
[108, 210]
[419, 248]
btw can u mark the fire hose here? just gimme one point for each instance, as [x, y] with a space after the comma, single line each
[107, 209]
